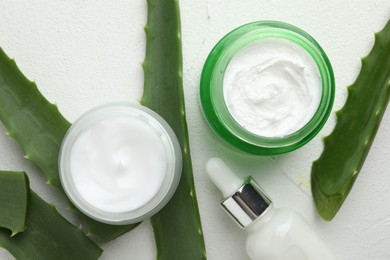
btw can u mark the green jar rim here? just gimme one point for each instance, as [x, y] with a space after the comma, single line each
[211, 88]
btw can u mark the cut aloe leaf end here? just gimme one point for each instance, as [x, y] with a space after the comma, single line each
[326, 205]
[14, 199]
[346, 148]
[48, 236]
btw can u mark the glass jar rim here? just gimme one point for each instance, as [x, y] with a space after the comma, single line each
[211, 88]
[169, 141]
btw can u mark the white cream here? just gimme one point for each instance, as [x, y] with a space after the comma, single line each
[272, 87]
[118, 164]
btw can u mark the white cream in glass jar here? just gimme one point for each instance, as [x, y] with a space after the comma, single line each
[120, 163]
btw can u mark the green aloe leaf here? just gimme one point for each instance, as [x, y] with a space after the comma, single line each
[48, 236]
[14, 198]
[177, 228]
[39, 128]
[346, 148]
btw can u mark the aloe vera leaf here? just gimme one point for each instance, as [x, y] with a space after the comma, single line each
[48, 236]
[177, 227]
[39, 128]
[14, 198]
[30, 119]
[346, 148]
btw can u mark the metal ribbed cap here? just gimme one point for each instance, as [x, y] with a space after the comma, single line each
[244, 200]
[247, 203]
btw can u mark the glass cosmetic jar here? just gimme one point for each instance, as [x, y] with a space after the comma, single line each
[226, 118]
[120, 163]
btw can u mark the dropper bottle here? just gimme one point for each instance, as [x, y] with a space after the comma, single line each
[273, 234]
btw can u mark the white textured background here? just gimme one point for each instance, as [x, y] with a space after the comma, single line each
[84, 53]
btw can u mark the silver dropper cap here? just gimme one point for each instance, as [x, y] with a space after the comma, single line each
[244, 200]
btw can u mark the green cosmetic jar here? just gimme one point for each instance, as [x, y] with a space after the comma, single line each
[215, 108]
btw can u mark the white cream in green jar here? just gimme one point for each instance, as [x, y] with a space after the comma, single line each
[272, 87]
[267, 88]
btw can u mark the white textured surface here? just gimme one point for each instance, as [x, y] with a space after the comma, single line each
[85, 53]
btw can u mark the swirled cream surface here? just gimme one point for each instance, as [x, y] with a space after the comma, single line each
[118, 164]
[272, 87]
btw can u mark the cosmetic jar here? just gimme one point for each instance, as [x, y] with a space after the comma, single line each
[272, 233]
[120, 163]
[227, 79]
